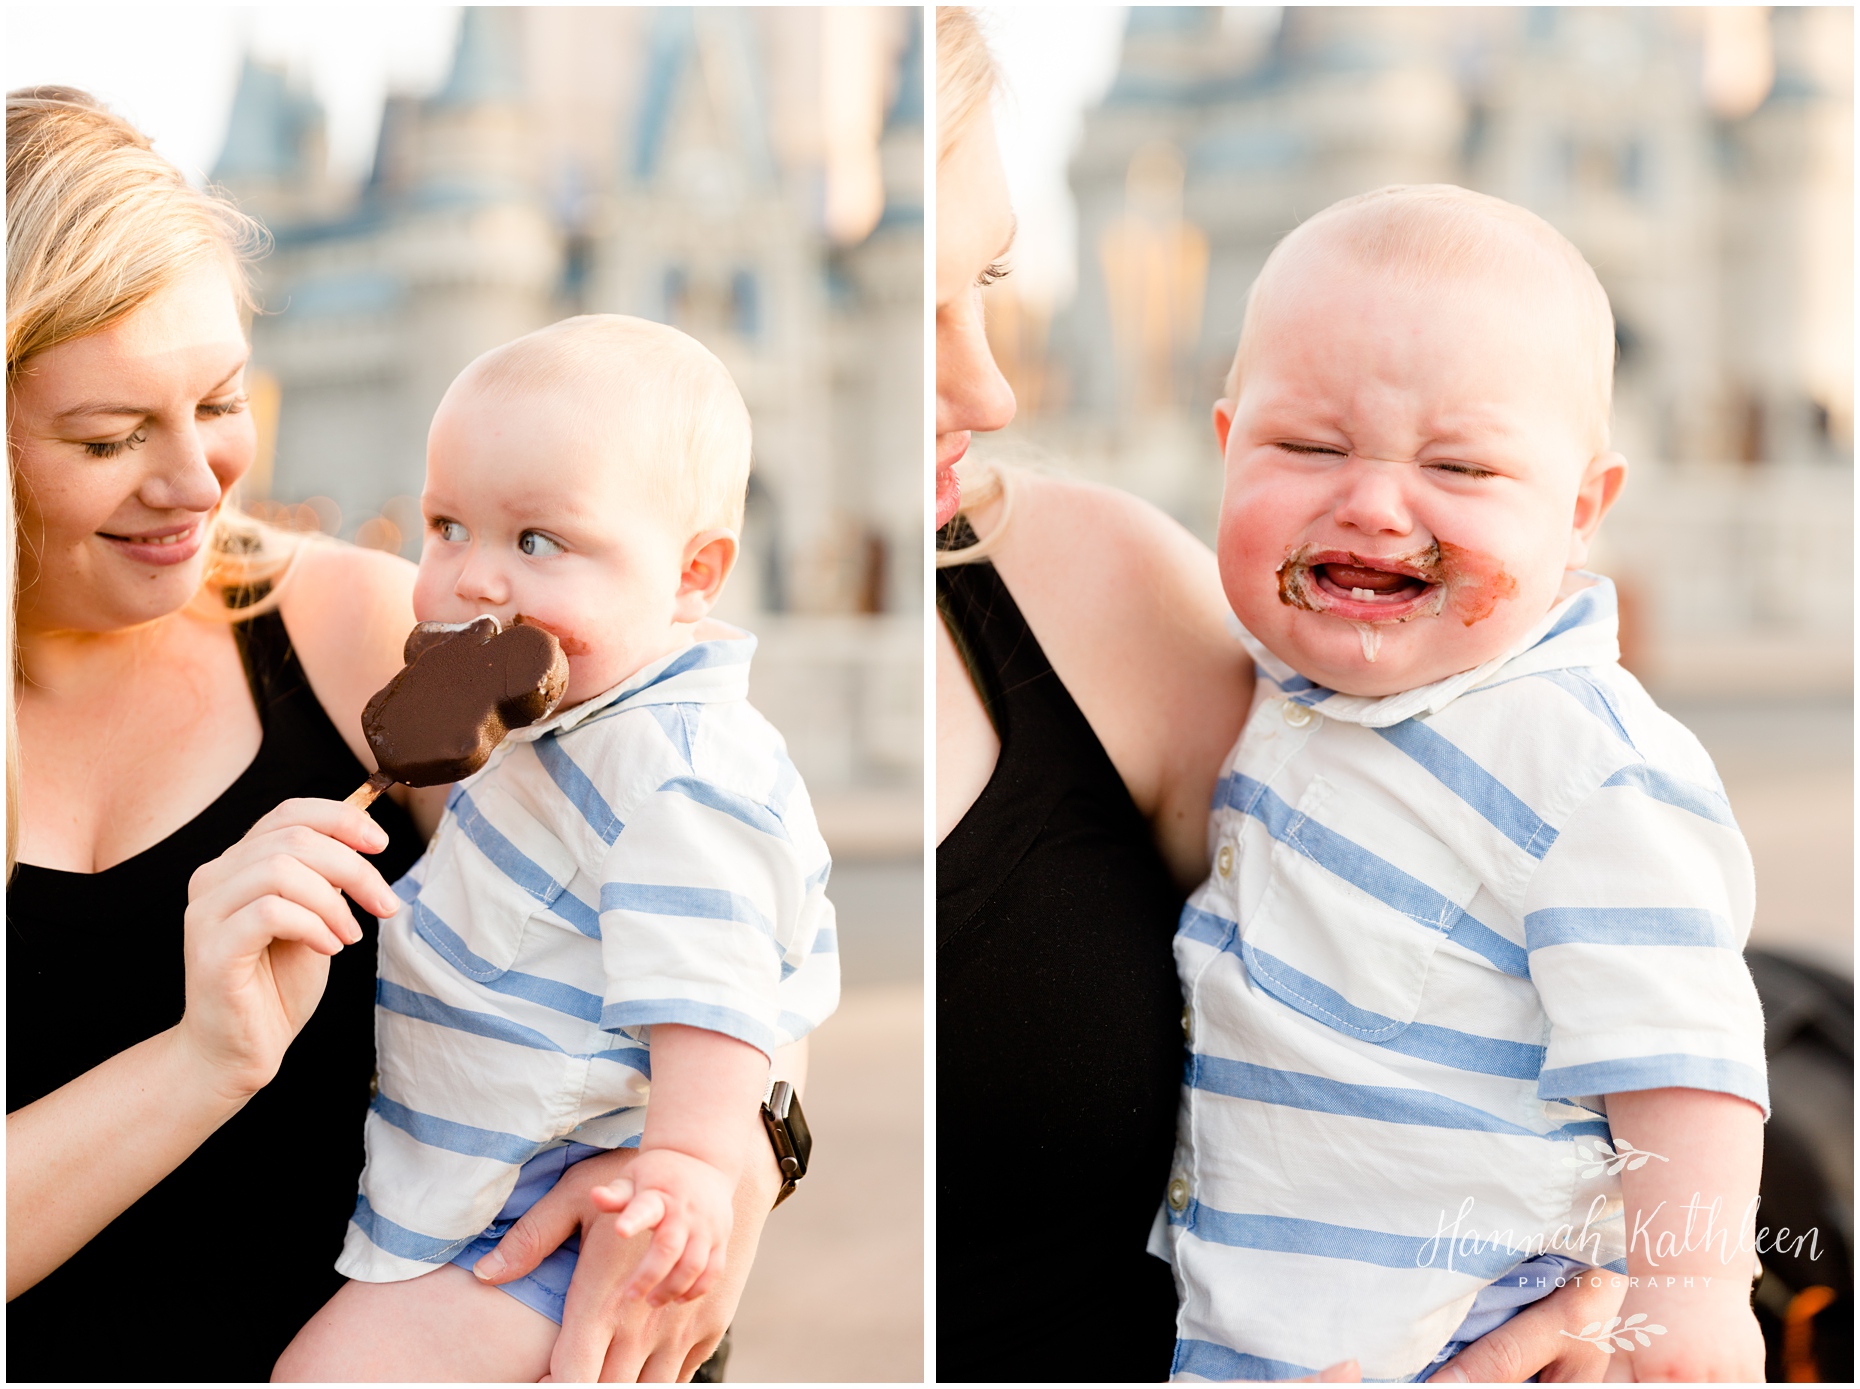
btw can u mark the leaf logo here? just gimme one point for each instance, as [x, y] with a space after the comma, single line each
[1616, 1334]
[1623, 1156]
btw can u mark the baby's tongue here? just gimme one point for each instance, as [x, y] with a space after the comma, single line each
[1375, 580]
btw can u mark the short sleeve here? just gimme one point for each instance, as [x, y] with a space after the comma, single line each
[1635, 922]
[711, 914]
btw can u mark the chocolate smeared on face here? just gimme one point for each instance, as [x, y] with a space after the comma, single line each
[465, 686]
[1472, 584]
[571, 644]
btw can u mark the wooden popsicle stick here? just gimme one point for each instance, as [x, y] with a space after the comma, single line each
[364, 795]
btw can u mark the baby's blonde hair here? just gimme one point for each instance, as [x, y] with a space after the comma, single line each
[1426, 233]
[682, 425]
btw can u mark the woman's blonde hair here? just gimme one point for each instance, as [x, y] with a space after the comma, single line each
[97, 224]
[966, 79]
[966, 76]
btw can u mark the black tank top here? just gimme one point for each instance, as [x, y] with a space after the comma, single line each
[1059, 1037]
[210, 1274]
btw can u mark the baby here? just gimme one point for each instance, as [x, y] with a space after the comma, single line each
[1467, 1011]
[623, 913]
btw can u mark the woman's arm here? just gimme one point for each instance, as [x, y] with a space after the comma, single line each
[348, 612]
[262, 920]
[1129, 609]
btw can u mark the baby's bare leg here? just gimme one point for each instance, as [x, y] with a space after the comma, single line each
[444, 1325]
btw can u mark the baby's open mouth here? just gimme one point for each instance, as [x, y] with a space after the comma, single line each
[1361, 588]
[1362, 584]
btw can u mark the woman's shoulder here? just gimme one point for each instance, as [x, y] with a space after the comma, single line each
[1148, 579]
[348, 611]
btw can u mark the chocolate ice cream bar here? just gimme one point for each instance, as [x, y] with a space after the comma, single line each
[464, 687]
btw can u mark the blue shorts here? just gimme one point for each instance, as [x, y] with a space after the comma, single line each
[545, 1287]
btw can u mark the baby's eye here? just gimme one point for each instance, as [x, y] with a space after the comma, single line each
[1322, 450]
[450, 530]
[1463, 469]
[113, 448]
[539, 543]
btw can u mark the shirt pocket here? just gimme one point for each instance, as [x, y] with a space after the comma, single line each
[1359, 900]
[494, 869]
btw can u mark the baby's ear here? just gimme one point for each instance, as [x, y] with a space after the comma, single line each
[1601, 484]
[1223, 422]
[709, 558]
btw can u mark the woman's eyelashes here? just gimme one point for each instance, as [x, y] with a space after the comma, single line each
[114, 448]
[998, 270]
[206, 410]
[537, 544]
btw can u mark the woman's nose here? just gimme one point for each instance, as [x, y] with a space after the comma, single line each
[971, 392]
[182, 480]
[1373, 501]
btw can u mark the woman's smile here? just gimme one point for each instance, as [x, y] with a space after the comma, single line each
[162, 545]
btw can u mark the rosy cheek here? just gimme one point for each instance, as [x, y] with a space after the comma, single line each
[1476, 582]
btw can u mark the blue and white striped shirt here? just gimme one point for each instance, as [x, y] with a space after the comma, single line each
[1442, 925]
[648, 856]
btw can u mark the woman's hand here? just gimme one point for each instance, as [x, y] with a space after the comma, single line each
[262, 921]
[608, 1338]
[1533, 1343]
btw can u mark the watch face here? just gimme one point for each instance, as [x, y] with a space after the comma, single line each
[798, 1133]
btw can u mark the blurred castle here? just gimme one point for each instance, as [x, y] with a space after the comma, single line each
[684, 165]
[1701, 160]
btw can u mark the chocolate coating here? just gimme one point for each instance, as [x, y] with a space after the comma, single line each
[461, 691]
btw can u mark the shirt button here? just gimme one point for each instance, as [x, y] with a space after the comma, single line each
[1178, 1194]
[1185, 1023]
[1224, 861]
[1296, 714]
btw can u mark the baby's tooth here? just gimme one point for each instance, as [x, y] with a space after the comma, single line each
[1361, 593]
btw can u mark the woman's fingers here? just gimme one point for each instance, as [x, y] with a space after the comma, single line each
[539, 1231]
[335, 863]
[338, 820]
[282, 877]
[663, 1366]
[1533, 1341]
[699, 1353]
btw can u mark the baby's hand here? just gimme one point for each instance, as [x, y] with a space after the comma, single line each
[1699, 1338]
[689, 1203]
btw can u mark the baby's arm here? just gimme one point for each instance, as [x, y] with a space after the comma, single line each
[1688, 1219]
[702, 1122]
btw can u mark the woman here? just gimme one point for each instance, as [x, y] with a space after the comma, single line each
[1087, 691]
[177, 1190]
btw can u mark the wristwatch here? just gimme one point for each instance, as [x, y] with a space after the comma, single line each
[788, 1135]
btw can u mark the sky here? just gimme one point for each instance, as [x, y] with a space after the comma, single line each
[171, 69]
[1055, 61]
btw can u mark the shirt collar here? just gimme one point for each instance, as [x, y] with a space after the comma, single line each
[705, 672]
[1579, 630]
